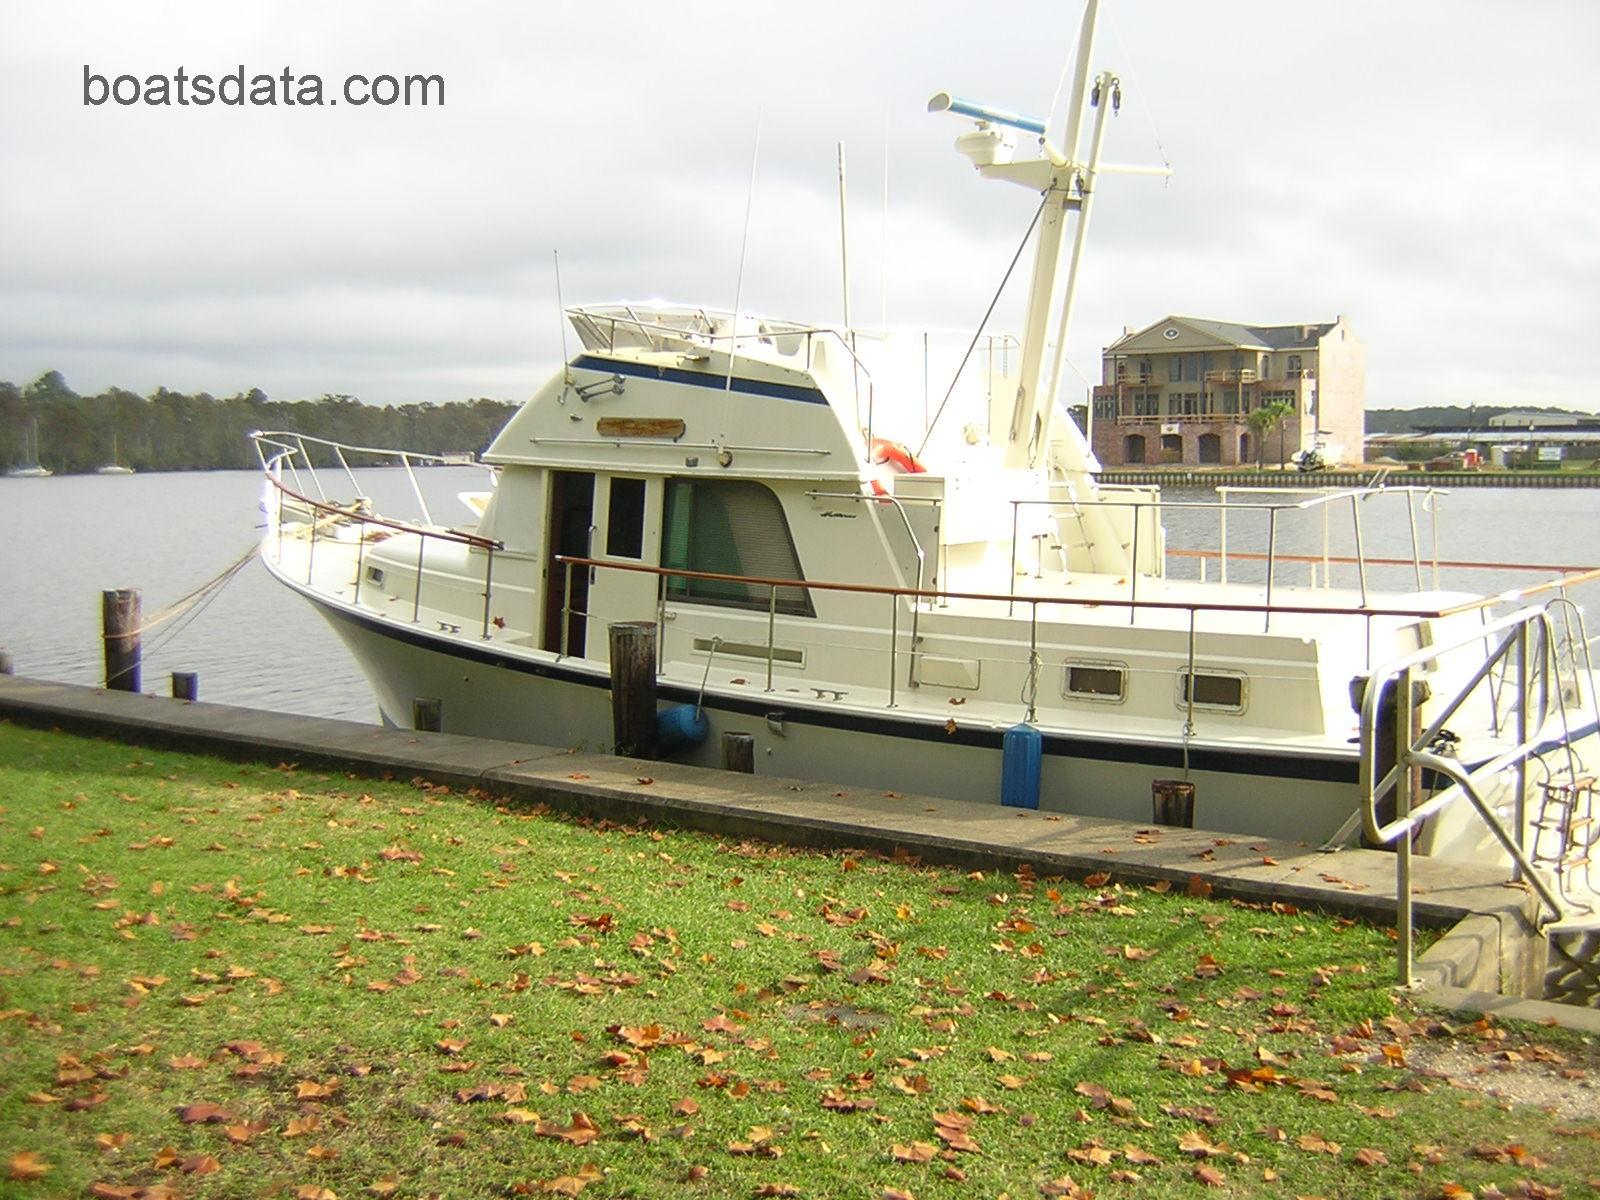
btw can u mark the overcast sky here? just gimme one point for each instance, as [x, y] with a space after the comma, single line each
[1430, 170]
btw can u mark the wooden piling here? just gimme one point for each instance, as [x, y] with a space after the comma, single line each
[120, 622]
[427, 715]
[7, 666]
[1173, 801]
[185, 685]
[633, 689]
[739, 752]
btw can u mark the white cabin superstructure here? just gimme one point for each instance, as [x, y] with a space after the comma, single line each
[878, 592]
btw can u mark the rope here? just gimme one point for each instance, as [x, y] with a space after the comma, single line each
[197, 599]
[978, 333]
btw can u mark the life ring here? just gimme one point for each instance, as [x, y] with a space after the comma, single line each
[897, 455]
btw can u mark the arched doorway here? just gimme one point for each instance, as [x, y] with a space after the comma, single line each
[1172, 447]
[1210, 448]
[1133, 448]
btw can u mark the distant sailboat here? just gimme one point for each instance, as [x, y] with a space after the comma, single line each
[30, 468]
[114, 467]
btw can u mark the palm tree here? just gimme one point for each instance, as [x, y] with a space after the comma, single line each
[1263, 421]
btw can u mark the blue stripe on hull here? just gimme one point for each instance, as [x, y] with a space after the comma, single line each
[1258, 762]
[701, 379]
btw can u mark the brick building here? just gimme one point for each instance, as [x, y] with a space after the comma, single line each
[1181, 391]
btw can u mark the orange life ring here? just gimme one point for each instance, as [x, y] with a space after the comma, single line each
[897, 455]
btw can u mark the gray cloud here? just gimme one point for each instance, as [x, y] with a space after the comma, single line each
[1426, 169]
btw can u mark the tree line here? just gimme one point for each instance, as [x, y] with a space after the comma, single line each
[172, 431]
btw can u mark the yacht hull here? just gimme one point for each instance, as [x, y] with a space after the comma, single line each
[544, 700]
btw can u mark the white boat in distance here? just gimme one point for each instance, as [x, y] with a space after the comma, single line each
[30, 469]
[884, 617]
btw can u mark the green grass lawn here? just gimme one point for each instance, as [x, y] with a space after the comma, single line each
[226, 980]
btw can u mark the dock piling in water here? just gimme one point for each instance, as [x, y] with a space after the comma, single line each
[1173, 801]
[120, 623]
[186, 685]
[427, 714]
[739, 752]
[7, 666]
[633, 689]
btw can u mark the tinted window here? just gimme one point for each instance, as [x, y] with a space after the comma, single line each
[625, 521]
[729, 527]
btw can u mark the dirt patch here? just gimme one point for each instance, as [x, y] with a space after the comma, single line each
[1564, 1082]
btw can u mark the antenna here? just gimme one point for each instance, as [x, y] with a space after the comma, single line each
[883, 247]
[844, 242]
[561, 320]
[738, 287]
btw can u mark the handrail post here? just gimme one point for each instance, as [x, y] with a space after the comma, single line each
[1272, 552]
[894, 640]
[1361, 559]
[1133, 569]
[361, 550]
[427, 517]
[1416, 548]
[566, 609]
[311, 551]
[1011, 578]
[1222, 538]
[488, 584]
[416, 595]
[1402, 812]
[1520, 806]
[772, 628]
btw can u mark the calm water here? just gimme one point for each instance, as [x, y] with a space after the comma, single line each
[64, 540]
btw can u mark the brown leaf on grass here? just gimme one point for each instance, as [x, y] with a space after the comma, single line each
[1011, 1082]
[205, 1114]
[1098, 879]
[1198, 887]
[199, 1164]
[26, 1164]
[1092, 1154]
[399, 854]
[451, 1045]
[388, 1185]
[1366, 1157]
[979, 1105]
[322, 1153]
[311, 1089]
[1209, 1176]
[110, 1143]
[1195, 1144]
[1140, 1157]
[1317, 1144]
[1066, 1187]
[500, 1020]
[777, 1189]
[916, 1152]
[185, 1062]
[313, 1191]
[951, 1129]
[686, 1107]
[580, 1132]
[243, 1131]
[300, 1126]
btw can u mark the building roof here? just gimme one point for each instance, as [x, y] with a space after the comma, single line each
[1249, 337]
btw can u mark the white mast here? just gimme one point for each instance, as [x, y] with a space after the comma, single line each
[1064, 184]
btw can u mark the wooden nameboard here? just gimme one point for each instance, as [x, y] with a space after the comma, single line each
[640, 427]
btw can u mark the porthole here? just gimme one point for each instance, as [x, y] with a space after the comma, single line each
[1105, 682]
[1216, 691]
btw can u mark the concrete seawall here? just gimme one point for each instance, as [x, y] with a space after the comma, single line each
[1185, 477]
[1491, 948]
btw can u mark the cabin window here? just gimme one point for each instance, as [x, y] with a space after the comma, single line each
[1213, 690]
[730, 527]
[1095, 681]
[625, 519]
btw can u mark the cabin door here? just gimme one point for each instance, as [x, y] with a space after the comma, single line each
[571, 524]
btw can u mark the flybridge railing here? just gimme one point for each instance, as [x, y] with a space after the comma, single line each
[286, 448]
[322, 512]
[1523, 646]
[702, 326]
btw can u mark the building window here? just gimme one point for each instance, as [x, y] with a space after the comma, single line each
[1210, 448]
[1171, 447]
[1133, 448]
[1294, 367]
[1147, 404]
[729, 527]
[1105, 408]
[1175, 368]
[625, 519]
[1244, 447]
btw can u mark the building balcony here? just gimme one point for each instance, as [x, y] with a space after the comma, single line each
[1236, 375]
[1217, 418]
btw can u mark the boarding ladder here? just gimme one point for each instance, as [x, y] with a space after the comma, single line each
[1541, 692]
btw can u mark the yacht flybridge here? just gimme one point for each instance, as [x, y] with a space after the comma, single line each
[880, 585]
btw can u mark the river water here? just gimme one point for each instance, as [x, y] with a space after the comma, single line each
[64, 540]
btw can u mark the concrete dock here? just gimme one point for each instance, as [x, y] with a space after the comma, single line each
[1488, 959]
